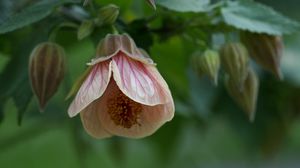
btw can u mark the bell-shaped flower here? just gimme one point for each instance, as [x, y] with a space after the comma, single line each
[124, 94]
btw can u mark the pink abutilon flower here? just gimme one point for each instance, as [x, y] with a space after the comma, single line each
[124, 94]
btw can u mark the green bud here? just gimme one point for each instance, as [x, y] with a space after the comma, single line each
[85, 29]
[246, 98]
[46, 70]
[235, 60]
[152, 3]
[266, 50]
[207, 63]
[108, 15]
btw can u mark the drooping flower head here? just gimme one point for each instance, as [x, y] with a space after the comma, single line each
[124, 94]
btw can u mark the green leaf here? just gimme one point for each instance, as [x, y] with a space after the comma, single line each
[85, 29]
[14, 77]
[185, 5]
[31, 14]
[16, 85]
[4, 9]
[22, 96]
[256, 17]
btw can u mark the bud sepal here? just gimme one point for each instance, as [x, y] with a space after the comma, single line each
[235, 61]
[246, 98]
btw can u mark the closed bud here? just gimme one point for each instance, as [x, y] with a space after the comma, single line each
[85, 29]
[246, 98]
[152, 3]
[108, 14]
[207, 63]
[235, 60]
[46, 71]
[266, 50]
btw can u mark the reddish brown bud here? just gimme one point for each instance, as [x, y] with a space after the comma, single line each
[235, 60]
[46, 70]
[266, 50]
[247, 97]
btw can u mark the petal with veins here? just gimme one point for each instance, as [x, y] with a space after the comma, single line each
[141, 82]
[92, 88]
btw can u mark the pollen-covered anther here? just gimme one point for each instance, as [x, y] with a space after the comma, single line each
[124, 111]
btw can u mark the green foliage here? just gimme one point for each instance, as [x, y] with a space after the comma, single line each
[14, 78]
[255, 17]
[186, 5]
[22, 96]
[17, 87]
[31, 14]
[144, 40]
[175, 72]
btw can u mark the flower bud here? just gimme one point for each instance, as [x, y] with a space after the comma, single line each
[235, 60]
[207, 63]
[247, 97]
[152, 3]
[108, 14]
[85, 29]
[266, 50]
[46, 70]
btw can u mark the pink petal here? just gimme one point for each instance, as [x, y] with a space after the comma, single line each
[151, 117]
[91, 122]
[131, 50]
[112, 44]
[92, 88]
[141, 82]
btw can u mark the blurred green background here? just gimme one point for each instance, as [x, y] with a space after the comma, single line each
[209, 130]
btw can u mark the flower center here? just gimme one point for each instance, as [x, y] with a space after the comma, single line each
[124, 111]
